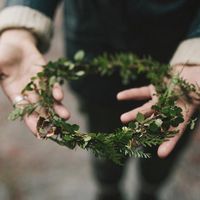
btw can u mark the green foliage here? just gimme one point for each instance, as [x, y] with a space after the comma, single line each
[79, 56]
[140, 117]
[123, 142]
[20, 112]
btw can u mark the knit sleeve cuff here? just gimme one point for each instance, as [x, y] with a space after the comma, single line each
[27, 18]
[188, 52]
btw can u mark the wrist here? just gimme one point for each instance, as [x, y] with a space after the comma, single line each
[26, 18]
[18, 36]
[187, 53]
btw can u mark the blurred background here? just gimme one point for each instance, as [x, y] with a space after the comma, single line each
[32, 169]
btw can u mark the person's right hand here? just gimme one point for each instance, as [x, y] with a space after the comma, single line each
[19, 61]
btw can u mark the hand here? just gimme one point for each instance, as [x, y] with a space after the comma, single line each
[189, 73]
[19, 61]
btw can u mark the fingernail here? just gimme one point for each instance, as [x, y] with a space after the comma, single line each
[162, 151]
[124, 117]
[65, 115]
[119, 95]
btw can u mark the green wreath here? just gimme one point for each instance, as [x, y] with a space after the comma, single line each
[127, 140]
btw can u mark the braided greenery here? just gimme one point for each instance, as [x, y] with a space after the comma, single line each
[127, 140]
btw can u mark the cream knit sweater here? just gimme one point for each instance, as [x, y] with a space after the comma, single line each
[188, 52]
[26, 18]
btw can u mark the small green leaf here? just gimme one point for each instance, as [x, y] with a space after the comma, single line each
[140, 117]
[79, 56]
[193, 123]
[158, 122]
[178, 110]
[155, 107]
[40, 74]
[33, 78]
[154, 128]
[75, 127]
[87, 138]
[71, 66]
[177, 121]
[15, 114]
[80, 73]
[52, 81]
[28, 87]
[166, 111]
[132, 125]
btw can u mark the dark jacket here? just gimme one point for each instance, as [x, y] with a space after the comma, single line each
[152, 27]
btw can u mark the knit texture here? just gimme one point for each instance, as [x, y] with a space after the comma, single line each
[34, 21]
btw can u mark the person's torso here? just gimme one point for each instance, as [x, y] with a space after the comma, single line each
[139, 25]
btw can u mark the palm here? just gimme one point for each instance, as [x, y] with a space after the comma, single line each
[18, 65]
[18, 68]
[189, 73]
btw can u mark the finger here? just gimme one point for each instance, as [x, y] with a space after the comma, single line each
[57, 92]
[145, 109]
[141, 93]
[154, 95]
[167, 147]
[31, 122]
[32, 96]
[61, 111]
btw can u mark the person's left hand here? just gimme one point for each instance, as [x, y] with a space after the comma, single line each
[189, 73]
